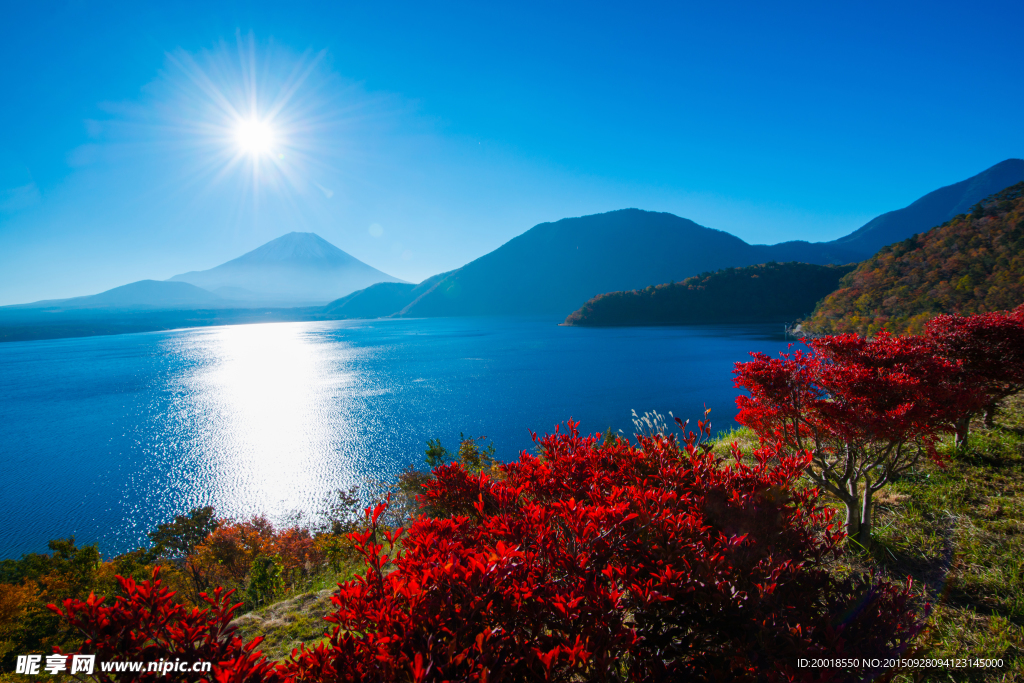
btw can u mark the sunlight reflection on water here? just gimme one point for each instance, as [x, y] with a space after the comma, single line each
[106, 437]
[263, 416]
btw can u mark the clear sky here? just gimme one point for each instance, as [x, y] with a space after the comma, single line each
[418, 136]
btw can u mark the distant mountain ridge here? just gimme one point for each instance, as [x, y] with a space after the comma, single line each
[382, 299]
[556, 267]
[144, 294]
[297, 268]
[553, 268]
[971, 264]
[935, 208]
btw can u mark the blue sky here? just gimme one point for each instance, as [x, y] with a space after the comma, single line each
[419, 136]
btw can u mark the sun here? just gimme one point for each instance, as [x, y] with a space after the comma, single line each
[256, 115]
[254, 137]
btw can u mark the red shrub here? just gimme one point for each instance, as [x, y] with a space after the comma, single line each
[606, 562]
[599, 561]
[146, 625]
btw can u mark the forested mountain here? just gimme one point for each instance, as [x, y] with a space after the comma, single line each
[763, 293]
[555, 267]
[971, 264]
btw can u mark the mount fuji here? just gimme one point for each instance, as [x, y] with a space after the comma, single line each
[300, 268]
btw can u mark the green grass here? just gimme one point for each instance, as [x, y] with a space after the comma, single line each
[743, 437]
[287, 624]
[958, 531]
[298, 617]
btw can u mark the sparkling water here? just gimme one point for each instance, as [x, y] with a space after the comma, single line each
[103, 438]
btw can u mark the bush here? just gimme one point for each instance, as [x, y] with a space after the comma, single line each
[990, 351]
[145, 624]
[28, 584]
[603, 561]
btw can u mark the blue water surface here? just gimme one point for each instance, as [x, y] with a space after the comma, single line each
[102, 438]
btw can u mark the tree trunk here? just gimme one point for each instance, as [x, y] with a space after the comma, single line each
[864, 533]
[962, 425]
[990, 413]
[853, 511]
[200, 584]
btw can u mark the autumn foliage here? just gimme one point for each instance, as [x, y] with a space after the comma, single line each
[244, 553]
[990, 351]
[145, 624]
[972, 264]
[864, 410]
[250, 555]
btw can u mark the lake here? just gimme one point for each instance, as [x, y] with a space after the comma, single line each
[105, 437]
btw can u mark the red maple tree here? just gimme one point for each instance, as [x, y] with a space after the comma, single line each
[865, 410]
[990, 350]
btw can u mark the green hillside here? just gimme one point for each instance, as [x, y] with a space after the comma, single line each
[971, 264]
[763, 293]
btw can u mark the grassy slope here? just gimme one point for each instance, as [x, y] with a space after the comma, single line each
[958, 531]
[287, 624]
[299, 616]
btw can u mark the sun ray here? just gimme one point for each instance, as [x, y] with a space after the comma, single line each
[259, 124]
